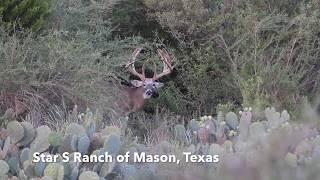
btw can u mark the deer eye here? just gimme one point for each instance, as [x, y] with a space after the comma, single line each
[154, 85]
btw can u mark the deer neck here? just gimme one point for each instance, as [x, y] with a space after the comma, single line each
[136, 97]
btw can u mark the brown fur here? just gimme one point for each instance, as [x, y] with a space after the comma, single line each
[130, 100]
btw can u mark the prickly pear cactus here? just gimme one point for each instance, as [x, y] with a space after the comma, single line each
[221, 131]
[228, 146]
[275, 119]
[285, 115]
[216, 149]
[41, 143]
[245, 121]
[112, 144]
[191, 148]
[75, 129]
[220, 116]
[304, 148]
[55, 139]
[5, 148]
[193, 125]
[55, 171]
[16, 131]
[83, 144]
[246, 138]
[69, 143]
[203, 135]
[105, 169]
[91, 129]
[143, 174]
[257, 130]
[232, 120]
[4, 169]
[46, 178]
[13, 163]
[128, 170]
[291, 160]
[24, 155]
[180, 133]
[211, 125]
[316, 153]
[89, 175]
[9, 115]
[39, 168]
[74, 173]
[29, 134]
[28, 169]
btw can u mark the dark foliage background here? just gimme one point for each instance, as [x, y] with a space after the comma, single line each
[227, 53]
[239, 66]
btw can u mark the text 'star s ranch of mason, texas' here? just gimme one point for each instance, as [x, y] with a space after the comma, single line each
[141, 157]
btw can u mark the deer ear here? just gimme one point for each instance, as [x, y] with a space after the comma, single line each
[136, 83]
[159, 84]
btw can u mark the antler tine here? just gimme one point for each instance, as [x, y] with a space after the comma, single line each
[167, 67]
[143, 69]
[131, 62]
[154, 69]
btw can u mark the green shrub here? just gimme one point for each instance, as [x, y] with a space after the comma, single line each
[73, 60]
[249, 52]
[27, 13]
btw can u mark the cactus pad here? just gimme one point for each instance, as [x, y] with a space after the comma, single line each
[41, 143]
[29, 134]
[15, 130]
[89, 175]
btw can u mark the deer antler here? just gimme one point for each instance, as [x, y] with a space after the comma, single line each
[167, 67]
[131, 67]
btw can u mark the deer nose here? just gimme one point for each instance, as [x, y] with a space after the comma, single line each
[155, 94]
[149, 92]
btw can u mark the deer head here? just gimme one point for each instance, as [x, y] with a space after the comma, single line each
[150, 85]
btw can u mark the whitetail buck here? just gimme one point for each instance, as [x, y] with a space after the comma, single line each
[134, 97]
